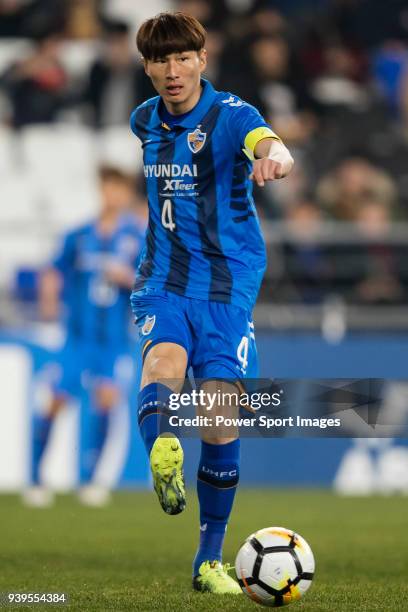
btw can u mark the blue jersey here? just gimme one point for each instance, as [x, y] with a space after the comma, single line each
[204, 240]
[97, 310]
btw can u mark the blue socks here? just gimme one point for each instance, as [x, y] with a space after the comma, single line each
[217, 480]
[41, 433]
[153, 414]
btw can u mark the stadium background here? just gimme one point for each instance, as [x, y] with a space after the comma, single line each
[332, 78]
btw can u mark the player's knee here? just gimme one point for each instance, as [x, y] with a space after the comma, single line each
[161, 369]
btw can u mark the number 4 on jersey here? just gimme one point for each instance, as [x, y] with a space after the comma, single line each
[242, 353]
[167, 216]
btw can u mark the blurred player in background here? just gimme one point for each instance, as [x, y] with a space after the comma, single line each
[204, 261]
[92, 275]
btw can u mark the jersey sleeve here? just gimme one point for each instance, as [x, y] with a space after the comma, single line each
[133, 122]
[247, 127]
[65, 255]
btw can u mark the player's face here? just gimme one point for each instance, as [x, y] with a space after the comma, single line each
[116, 196]
[176, 78]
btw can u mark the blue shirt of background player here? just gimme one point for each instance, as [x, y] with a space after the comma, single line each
[97, 311]
[204, 239]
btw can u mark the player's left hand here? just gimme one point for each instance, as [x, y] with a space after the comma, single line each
[266, 169]
[273, 161]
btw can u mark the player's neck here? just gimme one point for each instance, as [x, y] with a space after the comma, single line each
[182, 108]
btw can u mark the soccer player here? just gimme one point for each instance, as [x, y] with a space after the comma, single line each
[202, 266]
[93, 273]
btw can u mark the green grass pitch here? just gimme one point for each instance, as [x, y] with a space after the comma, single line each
[131, 556]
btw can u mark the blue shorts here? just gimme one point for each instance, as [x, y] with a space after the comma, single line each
[84, 365]
[219, 338]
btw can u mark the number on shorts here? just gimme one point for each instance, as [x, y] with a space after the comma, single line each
[167, 216]
[242, 353]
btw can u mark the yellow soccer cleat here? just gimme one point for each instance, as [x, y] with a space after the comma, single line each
[213, 578]
[166, 462]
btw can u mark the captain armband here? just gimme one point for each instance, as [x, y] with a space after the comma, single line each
[255, 136]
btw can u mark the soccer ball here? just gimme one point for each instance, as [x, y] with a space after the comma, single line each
[275, 566]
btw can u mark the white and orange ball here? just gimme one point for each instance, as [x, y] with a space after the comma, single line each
[275, 566]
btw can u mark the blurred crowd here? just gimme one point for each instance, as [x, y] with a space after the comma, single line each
[331, 76]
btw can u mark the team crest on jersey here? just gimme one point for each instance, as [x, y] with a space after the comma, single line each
[148, 325]
[196, 140]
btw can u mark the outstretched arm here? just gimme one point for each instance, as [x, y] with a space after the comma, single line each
[273, 161]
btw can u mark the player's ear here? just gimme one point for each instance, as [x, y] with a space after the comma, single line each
[146, 66]
[202, 56]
